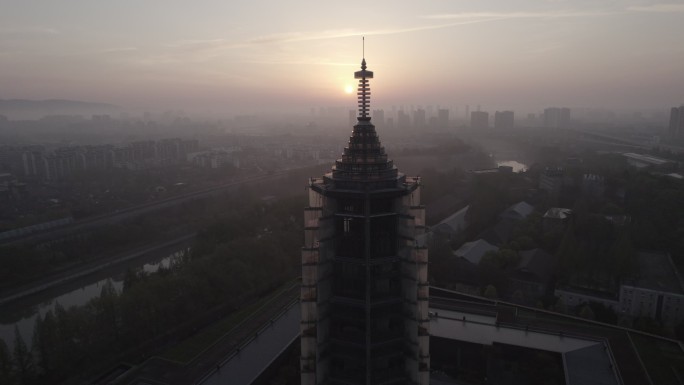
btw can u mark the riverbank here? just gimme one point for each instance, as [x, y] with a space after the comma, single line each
[78, 286]
[80, 271]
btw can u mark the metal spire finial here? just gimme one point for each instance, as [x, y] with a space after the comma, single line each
[364, 88]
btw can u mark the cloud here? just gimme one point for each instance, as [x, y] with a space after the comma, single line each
[337, 34]
[117, 50]
[456, 19]
[491, 16]
[658, 8]
[28, 32]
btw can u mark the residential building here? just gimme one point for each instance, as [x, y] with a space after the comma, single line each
[419, 118]
[676, 127]
[556, 117]
[443, 118]
[556, 218]
[479, 119]
[654, 291]
[504, 119]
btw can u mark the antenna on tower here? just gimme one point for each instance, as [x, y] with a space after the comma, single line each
[363, 44]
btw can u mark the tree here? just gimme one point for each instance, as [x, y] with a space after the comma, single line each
[5, 364]
[648, 325]
[567, 249]
[107, 308]
[23, 360]
[679, 331]
[623, 254]
[560, 306]
[490, 292]
[587, 313]
[518, 297]
[500, 259]
[40, 347]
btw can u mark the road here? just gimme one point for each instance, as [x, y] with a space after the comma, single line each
[280, 316]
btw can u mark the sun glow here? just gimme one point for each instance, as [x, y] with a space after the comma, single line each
[348, 89]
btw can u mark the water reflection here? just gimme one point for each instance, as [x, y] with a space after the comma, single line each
[25, 318]
[514, 164]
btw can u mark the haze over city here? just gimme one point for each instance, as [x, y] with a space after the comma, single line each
[442, 192]
[238, 57]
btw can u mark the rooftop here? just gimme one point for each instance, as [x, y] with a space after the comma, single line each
[557, 213]
[646, 158]
[519, 210]
[591, 350]
[473, 251]
[453, 224]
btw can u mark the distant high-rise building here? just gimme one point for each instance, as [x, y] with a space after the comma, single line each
[364, 296]
[378, 118]
[443, 118]
[555, 117]
[467, 111]
[419, 118]
[677, 121]
[479, 119]
[403, 120]
[504, 119]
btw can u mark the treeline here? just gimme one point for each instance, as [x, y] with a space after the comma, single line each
[23, 264]
[241, 256]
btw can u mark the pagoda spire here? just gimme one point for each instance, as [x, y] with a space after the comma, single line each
[363, 92]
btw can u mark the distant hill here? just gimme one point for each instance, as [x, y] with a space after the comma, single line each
[32, 109]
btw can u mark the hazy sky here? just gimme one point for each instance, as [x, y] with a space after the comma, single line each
[294, 54]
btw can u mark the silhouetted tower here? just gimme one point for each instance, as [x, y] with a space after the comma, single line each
[364, 291]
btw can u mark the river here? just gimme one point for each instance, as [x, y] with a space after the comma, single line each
[23, 314]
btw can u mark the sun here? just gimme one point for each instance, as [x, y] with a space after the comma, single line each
[348, 89]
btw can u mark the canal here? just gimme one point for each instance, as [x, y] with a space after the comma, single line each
[22, 313]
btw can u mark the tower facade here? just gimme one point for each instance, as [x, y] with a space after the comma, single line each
[364, 295]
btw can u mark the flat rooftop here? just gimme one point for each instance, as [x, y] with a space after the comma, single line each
[639, 358]
[646, 158]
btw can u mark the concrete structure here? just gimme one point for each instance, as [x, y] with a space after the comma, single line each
[533, 273]
[403, 121]
[676, 127]
[555, 117]
[518, 211]
[479, 119]
[504, 119]
[419, 118]
[215, 158]
[452, 225]
[443, 118]
[35, 161]
[642, 161]
[593, 186]
[378, 118]
[655, 291]
[364, 296]
[554, 181]
[556, 218]
[573, 296]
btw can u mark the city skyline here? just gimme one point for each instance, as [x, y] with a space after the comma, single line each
[520, 55]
